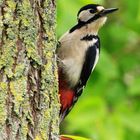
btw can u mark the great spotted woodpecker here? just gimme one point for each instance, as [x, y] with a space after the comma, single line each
[78, 53]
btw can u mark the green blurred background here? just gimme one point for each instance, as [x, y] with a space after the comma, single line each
[109, 108]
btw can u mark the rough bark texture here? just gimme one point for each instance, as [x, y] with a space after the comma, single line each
[29, 104]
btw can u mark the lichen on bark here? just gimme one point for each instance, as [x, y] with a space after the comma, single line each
[29, 104]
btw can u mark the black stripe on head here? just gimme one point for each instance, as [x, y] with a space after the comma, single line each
[89, 37]
[89, 6]
[81, 23]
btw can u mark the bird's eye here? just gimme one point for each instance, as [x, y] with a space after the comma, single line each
[92, 11]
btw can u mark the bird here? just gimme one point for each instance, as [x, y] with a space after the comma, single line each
[77, 53]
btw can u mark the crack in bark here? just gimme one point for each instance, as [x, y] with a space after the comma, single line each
[53, 2]
[9, 104]
[4, 32]
[34, 86]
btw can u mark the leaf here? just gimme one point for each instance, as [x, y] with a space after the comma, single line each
[70, 137]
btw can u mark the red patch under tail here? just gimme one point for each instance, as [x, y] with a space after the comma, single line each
[66, 97]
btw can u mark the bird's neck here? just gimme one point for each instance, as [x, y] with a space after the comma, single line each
[93, 28]
[89, 29]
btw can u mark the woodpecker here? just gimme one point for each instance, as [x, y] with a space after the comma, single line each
[78, 53]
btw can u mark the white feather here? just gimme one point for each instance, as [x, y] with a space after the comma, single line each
[96, 59]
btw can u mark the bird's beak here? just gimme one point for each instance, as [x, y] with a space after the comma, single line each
[107, 11]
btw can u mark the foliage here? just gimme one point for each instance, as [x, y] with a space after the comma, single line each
[109, 108]
[70, 137]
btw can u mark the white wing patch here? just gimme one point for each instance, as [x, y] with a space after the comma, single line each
[91, 42]
[96, 59]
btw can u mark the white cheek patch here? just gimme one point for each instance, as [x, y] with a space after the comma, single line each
[100, 8]
[85, 15]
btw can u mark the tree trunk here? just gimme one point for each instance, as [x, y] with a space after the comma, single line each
[29, 103]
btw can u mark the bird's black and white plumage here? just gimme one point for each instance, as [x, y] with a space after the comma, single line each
[78, 54]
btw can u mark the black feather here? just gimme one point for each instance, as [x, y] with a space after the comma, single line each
[89, 37]
[89, 6]
[87, 67]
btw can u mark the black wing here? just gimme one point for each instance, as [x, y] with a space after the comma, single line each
[87, 67]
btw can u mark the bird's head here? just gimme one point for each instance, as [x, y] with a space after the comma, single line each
[94, 14]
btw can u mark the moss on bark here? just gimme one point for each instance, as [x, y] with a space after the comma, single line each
[29, 104]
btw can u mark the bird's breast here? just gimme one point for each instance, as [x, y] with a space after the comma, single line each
[72, 56]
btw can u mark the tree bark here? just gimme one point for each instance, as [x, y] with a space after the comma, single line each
[29, 103]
